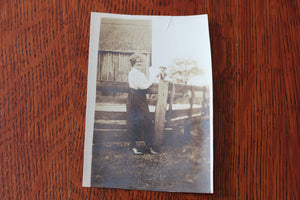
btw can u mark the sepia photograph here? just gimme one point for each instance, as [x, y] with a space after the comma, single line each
[149, 104]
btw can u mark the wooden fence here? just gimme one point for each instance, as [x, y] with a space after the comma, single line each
[169, 100]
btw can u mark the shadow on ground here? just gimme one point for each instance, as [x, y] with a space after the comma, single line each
[181, 165]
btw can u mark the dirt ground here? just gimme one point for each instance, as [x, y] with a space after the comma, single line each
[181, 165]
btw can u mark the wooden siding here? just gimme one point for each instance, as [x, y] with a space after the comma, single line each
[115, 66]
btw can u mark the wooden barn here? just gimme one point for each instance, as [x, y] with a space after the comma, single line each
[119, 39]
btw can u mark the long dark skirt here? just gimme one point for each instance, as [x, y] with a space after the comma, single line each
[139, 118]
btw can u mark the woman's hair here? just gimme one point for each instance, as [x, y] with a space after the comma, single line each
[134, 57]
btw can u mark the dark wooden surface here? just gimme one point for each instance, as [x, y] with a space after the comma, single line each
[44, 61]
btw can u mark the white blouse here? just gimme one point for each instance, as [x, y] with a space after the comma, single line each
[138, 80]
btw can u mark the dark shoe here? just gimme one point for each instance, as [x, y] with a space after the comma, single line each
[135, 151]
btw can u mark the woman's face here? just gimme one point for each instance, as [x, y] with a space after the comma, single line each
[139, 64]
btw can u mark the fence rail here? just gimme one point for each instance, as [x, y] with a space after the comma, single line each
[123, 87]
[164, 96]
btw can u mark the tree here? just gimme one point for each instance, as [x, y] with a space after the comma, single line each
[181, 70]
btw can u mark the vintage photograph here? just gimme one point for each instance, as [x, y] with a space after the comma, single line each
[149, 104]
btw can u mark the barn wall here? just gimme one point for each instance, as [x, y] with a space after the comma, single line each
[115, 66]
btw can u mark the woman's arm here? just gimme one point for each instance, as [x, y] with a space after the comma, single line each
[138, 80]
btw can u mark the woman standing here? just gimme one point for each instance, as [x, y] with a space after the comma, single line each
[139, 117]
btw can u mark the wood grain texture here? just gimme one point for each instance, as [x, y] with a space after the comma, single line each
[44, 61]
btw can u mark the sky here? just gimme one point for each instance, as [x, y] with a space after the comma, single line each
[182, 37]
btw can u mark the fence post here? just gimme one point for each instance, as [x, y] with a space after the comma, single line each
[191, 103]
[171, 99]
[160, 111]
[204, 103]
[127, 113]
[188, 124]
